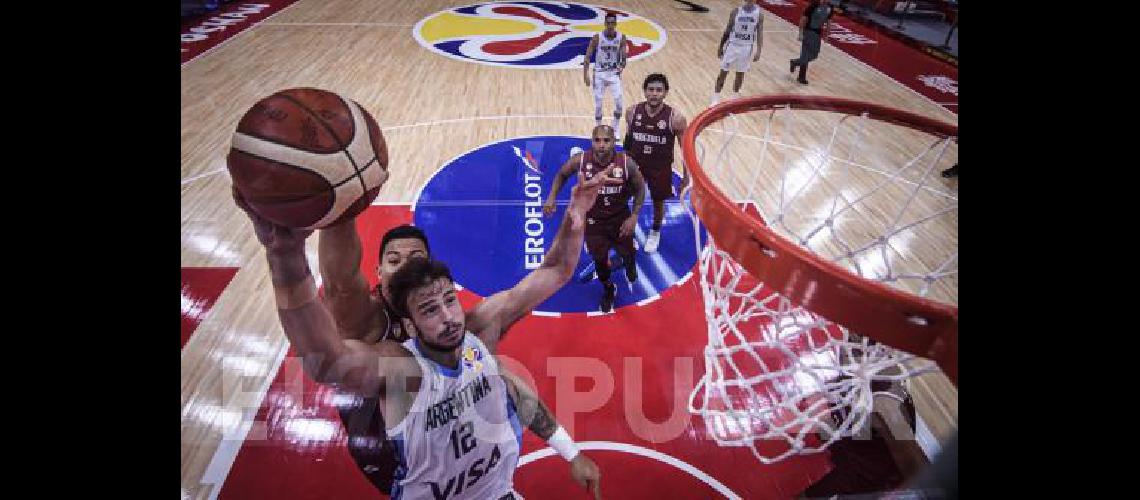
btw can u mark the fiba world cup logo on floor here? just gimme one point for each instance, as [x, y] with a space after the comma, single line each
[538, 35]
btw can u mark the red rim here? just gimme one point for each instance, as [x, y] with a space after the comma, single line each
[876, 310]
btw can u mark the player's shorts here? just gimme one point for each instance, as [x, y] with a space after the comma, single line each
[659, 178]
[604, 80]
[737, 57]
[601, 235]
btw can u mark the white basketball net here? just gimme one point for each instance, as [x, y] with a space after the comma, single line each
[780, 379]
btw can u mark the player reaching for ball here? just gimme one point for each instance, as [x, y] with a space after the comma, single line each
[471, 449]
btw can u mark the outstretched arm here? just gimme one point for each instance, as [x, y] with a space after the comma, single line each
[346, 291]
[536, 416]
[492, 317]
[564, 173]
[307, 322]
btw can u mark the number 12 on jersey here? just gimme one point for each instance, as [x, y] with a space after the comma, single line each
[462, 440]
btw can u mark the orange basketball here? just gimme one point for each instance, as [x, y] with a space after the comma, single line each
[307, 158]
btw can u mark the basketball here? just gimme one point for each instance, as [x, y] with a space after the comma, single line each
[307, 158]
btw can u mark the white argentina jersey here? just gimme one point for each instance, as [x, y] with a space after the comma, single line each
[461, 437]
[744, 26]
[608, 55]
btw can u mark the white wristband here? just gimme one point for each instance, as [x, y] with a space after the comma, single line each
[562, 443]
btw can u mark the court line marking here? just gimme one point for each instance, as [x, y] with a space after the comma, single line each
[455, 120]
[640, 451]
[242, 32]
[585, 117]
[835, 47]
[223, 460]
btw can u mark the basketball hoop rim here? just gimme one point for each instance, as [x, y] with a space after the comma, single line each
[893, 317]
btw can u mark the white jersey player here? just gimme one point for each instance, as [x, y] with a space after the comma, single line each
[470, 410]
[454, 414]
[610, 50]
[740, 45]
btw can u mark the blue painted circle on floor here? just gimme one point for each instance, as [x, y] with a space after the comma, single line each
[482, 212]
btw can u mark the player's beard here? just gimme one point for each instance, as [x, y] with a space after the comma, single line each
[443, 347]
[604, 158]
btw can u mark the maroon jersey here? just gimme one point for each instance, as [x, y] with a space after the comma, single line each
[653, 138]
[612, 200]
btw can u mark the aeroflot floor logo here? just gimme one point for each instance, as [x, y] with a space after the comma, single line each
[539, 35]
[482, 212]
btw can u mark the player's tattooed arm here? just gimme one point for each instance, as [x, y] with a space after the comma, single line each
[532, 412]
